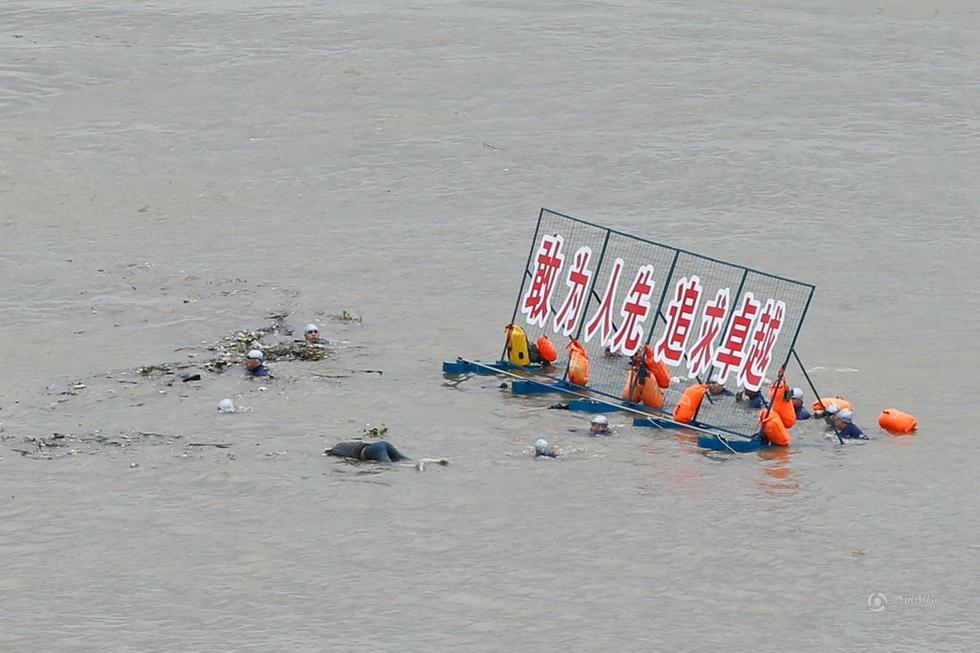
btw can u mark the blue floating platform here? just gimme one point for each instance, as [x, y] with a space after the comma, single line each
[531, 387]
[719, 443]
[590, 406]
[462, 366]
[654, 423]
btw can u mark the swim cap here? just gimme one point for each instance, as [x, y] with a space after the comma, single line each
[311, 327]
[797, 393]
[714, 379]
[541, 444]
[600, 419]
[845, 415]
[256, 354]
[226, 406]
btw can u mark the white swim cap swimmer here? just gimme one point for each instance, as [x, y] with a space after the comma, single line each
[226, 406]
[797, 393]
[541, 444]
[310, 328]
[714, 379]
[845, 415]
[256, 354]
[600, 419]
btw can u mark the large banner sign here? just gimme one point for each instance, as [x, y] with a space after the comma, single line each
[703, 318]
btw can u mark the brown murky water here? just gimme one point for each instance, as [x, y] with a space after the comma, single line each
[171, 173]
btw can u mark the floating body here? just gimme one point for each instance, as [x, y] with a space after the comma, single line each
[381, 451]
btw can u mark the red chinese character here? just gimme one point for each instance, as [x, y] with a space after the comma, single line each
[680, 315]
[703, 352]
[763, 340]
[577, 282]
[603, 317]
[731, 354]
[636, 308]
[537, 300]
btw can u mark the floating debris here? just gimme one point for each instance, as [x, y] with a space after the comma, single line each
[374, 431]
[347, 318]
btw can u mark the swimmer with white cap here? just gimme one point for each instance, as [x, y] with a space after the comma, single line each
[312, 334]
[255, 363]
[843, 421]
[716, 388]
[600, 426]
[544, 450]
[796, 397]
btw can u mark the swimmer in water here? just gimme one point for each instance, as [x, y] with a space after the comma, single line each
[544, 450]
[846, 428]
[600, 426]
[797, 399]
[751, 397]
[716, 388]
[381, 451]
[255, 364]
[312, 334]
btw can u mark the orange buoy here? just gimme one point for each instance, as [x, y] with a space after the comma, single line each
[578, 363]
[657, 368]
[546, 349]
[781, 405]
[689, 403]
[652, 395]
[820, 405]
[895, 421]
[646, 393]
[661, 374]
[773, 427]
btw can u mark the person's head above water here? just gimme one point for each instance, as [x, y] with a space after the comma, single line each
[715, 386]
[843, 416]
[311, 333]
[600, 424]
[796, 396]
[254, 359]
[544, 450]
